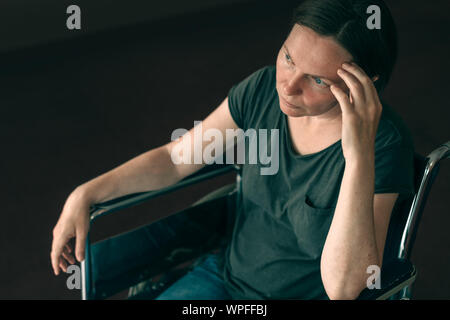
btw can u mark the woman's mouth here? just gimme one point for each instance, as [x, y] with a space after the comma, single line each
[289, 104]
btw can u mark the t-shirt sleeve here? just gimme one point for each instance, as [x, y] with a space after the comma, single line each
[394, 167]
[242, 96]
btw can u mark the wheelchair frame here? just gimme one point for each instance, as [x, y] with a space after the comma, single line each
[397, 276]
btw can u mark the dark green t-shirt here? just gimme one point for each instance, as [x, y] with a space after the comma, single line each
[283, 219]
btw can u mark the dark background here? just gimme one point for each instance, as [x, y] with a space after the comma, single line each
[75, 104]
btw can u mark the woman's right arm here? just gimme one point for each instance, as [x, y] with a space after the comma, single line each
[151, 170]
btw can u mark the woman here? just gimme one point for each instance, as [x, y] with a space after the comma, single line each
[312, 230]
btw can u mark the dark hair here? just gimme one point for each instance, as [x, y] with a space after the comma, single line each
[374, 50]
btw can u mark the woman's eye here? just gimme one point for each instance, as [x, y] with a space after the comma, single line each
[288, 58]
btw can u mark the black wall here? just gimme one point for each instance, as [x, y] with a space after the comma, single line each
[73, 109]
[25, 23]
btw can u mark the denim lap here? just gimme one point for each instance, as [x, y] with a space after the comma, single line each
[203, 282]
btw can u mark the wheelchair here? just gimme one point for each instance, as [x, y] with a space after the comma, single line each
[147, 260]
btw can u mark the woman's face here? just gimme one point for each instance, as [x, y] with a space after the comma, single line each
[306, 67]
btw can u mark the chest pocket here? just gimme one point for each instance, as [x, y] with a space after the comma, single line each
[310, 225]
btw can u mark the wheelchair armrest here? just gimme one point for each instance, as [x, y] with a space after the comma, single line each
[123, 260]
[207, 172]
[396, 275]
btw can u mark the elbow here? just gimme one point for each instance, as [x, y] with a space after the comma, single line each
[343, 290]
[342, 294]
[343, 284]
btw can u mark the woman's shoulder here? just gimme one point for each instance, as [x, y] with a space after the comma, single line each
[256, 83]
[263, 75]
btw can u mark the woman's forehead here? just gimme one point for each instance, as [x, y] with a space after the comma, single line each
[314, 51]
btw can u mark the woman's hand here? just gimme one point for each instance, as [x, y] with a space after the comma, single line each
[73, 222]
[361, 111]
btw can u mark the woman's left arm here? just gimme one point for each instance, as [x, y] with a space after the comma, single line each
[358, 231]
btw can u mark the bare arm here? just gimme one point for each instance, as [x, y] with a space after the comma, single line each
[358, 231]
[151, 170]
[155, 169]
[357, 234]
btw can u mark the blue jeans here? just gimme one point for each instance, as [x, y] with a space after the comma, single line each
[203, 282]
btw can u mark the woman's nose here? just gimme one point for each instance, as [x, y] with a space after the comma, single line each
[293, 86]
